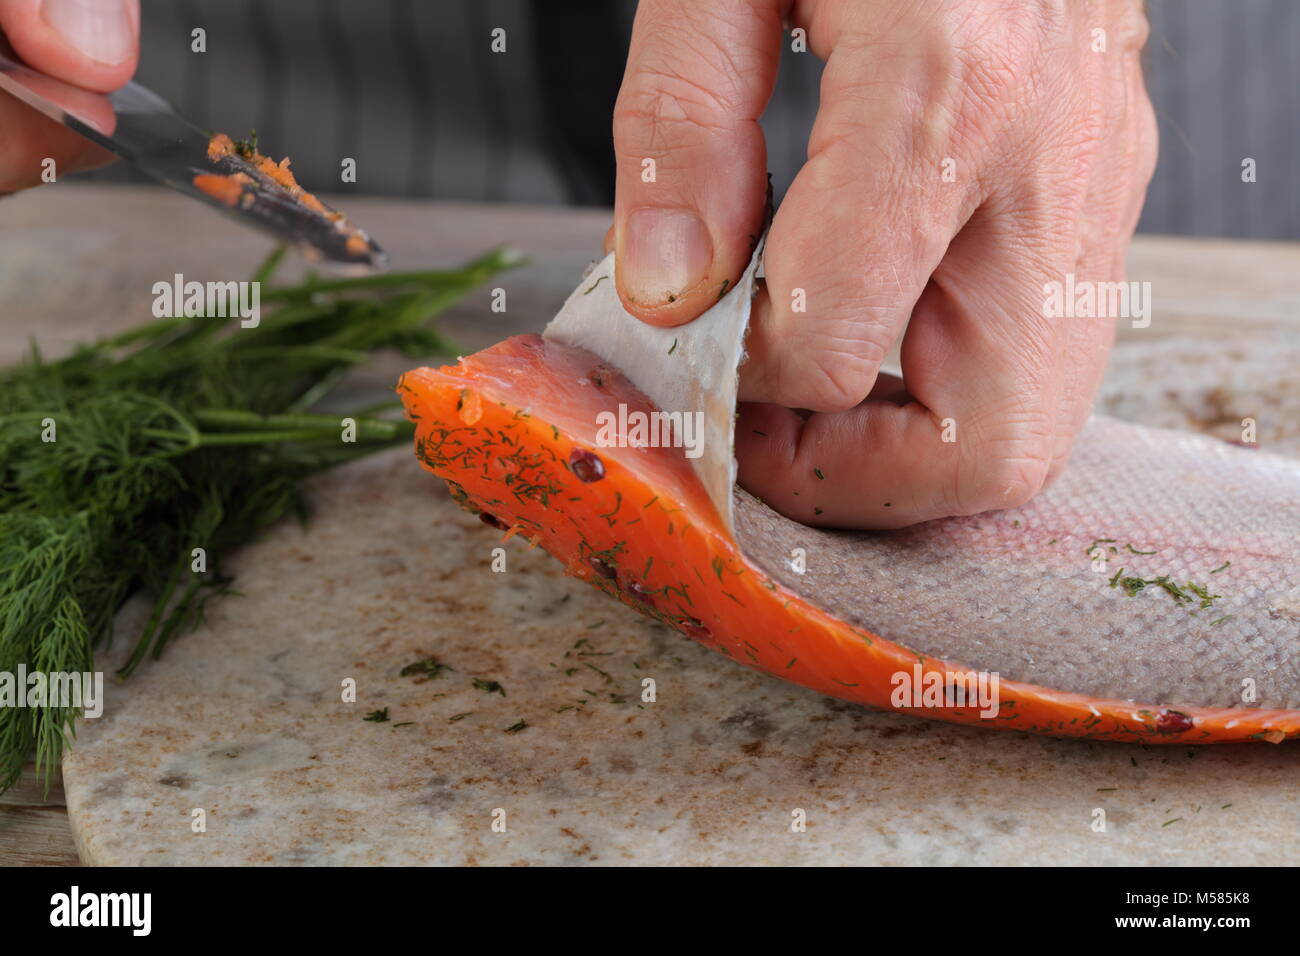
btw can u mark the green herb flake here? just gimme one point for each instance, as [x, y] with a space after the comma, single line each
[1095, 542]
[593, 667]
[489, 686]
[246, 148]
[1207, 599]
[429, 668]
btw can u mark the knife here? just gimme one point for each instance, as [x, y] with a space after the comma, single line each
[141, 127]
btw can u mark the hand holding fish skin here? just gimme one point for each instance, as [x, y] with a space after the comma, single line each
[92, 44]
[965, 154]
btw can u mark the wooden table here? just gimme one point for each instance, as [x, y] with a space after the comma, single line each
[78, 261]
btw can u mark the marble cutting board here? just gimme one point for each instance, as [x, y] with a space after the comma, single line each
[244, 720]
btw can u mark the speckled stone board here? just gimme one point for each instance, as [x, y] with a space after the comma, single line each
[245, 721]
[244, 718]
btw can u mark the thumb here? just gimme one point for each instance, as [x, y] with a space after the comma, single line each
[93, 44]
[692, 165]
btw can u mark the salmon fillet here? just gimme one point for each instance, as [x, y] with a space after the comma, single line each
[1046, 598]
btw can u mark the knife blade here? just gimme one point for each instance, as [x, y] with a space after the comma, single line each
[141, 127]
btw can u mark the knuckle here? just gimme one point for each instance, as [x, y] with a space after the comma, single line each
[993, 77]
[835, 375]
[693, 86]
[1011, 76]
[828, 389]
[1134, 27]
[998, 59]
[663, 116]
[1004, 474]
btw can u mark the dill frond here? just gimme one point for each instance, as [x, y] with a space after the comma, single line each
[178, 434]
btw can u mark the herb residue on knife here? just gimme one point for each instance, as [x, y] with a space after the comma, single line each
[243, 169]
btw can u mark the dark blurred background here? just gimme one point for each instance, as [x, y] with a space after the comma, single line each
[411, 90]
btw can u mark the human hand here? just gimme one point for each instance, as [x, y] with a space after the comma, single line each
[965, 154]
[92, 44]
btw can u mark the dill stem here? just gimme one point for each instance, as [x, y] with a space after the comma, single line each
[284, 318]
[160, 605]
[392, 431]
[467, 275]
[178, 616]
[318, 390]
[315, 423]
[432, 280]
[270, 264]
[319, 353]
[149, 330]
[240, 418]
[212, 439]
[385, 405]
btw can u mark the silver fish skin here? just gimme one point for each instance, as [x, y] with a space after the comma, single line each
[1037, 593]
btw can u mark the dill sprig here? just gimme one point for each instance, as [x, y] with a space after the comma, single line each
[179, 434]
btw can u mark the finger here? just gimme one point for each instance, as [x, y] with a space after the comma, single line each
[980, 361]
[829, 469]
[692, 166]
[31, 138]
[1107, 218]
[1086, 339]
[93, 44]
[865, 223]
[1085, 344]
